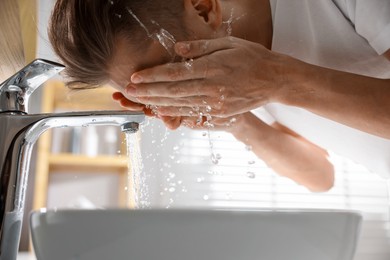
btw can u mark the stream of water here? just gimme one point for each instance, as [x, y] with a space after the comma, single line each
[136, 188]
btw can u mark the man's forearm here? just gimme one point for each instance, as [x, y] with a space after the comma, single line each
[290, 156]
[357, 101]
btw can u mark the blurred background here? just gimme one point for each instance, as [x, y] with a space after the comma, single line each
[89, 167]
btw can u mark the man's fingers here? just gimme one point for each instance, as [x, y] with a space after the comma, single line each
[126, 103]
[197, 68]
[196, 49]
[189, 88]
[131, 105]
[179, 71]
[117, 96]
[171, 122]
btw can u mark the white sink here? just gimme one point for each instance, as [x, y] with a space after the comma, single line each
[195, 234]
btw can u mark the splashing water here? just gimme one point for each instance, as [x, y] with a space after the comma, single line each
[139, 22]
[230, 21]
[136, 181]
[166, 39]
[214, 157]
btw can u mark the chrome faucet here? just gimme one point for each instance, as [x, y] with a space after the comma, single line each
[19, 132]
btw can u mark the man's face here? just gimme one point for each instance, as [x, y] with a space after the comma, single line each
[128, 60]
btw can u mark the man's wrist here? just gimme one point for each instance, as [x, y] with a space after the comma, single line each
[302, 84]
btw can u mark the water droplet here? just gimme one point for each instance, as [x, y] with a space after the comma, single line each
[188, 64]
[228, 196]
[172, 189]
[206, 197]
[248, 148]
[211, 172]
[200, 179]
[251, 175]
[215, 158]
[171, 175]
[251, 162]
[208, 124]
[199, 120]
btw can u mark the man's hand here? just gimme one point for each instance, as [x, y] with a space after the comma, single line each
[194, 122]
[170, 122]
[222, 77]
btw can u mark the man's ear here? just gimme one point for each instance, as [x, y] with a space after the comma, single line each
[208, 10]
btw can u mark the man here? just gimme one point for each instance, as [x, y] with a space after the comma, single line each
[329, 90]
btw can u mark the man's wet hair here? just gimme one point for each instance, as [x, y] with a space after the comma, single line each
[83, 33]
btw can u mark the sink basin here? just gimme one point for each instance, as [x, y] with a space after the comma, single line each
[169, 234]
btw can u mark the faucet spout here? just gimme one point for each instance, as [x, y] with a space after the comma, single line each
[15, 91]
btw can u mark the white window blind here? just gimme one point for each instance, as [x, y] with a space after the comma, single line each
[179, 166]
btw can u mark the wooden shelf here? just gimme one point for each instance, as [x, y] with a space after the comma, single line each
[96, 162]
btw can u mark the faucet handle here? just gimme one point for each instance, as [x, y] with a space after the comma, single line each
[16, 91]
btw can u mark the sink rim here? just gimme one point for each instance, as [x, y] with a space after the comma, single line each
[54, 221]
